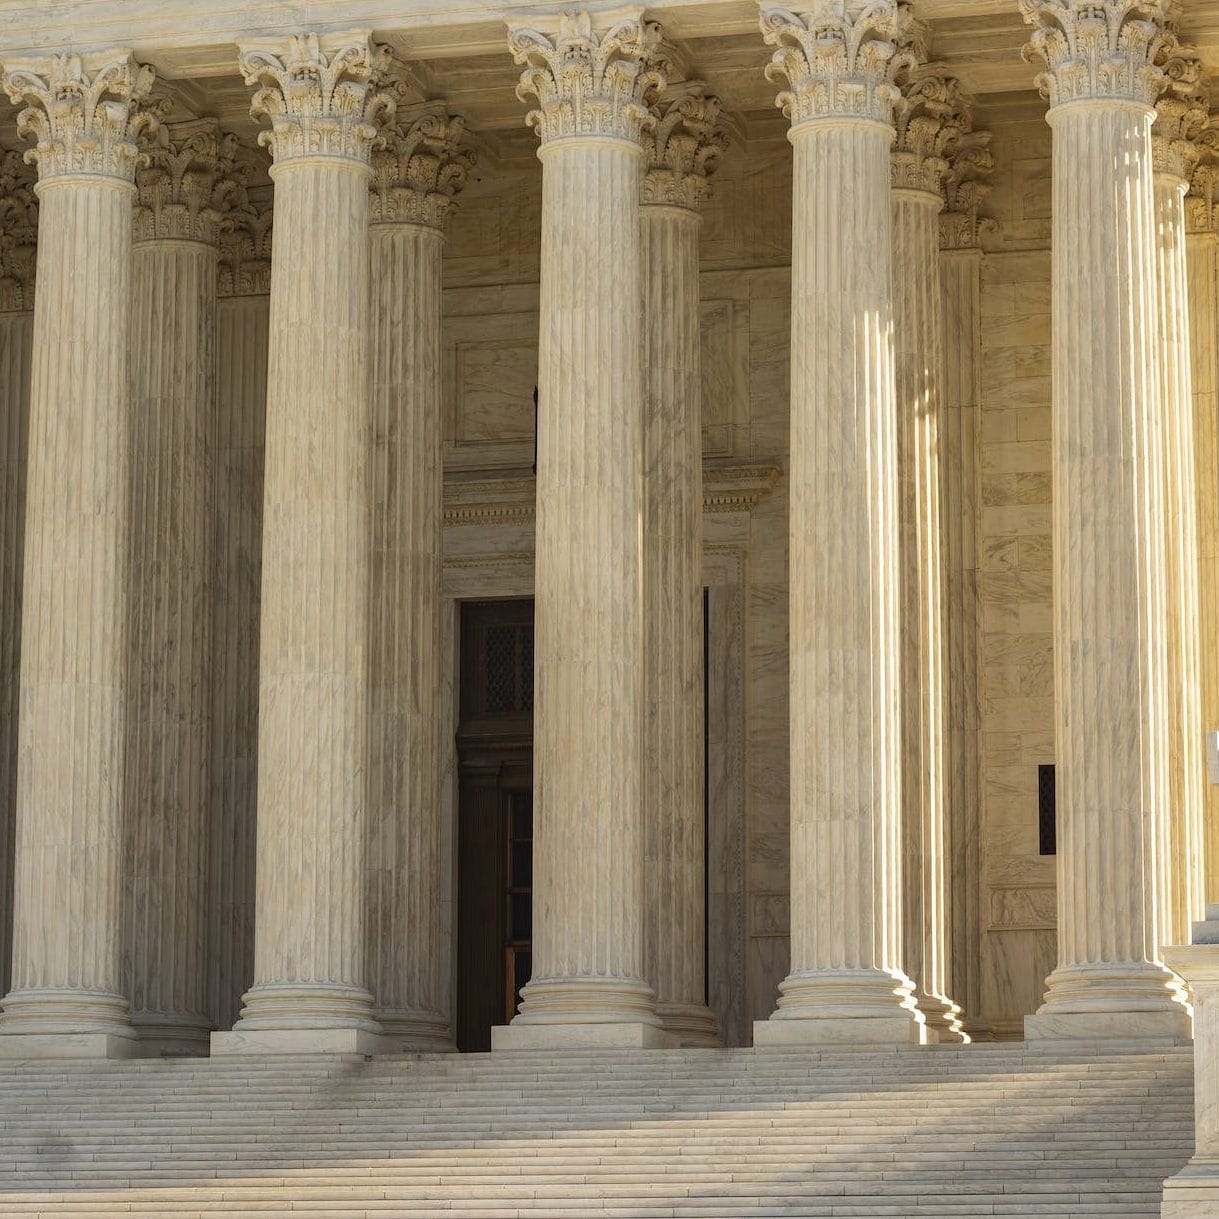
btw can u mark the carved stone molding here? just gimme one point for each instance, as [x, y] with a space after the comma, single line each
[82, 110]
[682, 149]
[509, 500]
[1100, 48]
[320, 93]
[932, 116]
[420, 164]
[192, 177]
[589, 79]
[1182, 116]
[18, 233]
[966, 186]
[839, 59]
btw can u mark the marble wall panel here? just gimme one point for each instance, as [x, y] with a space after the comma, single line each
[16, 344]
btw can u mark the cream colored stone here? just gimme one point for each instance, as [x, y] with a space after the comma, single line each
[67, 903]
[1109, 565]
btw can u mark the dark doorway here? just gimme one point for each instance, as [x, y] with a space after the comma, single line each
[494, 815]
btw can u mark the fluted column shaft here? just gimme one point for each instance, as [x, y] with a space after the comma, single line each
[313, 685]
[588, 829]
[66, 974]
[845, 806]
[919, 352]
[169, 694]
[404, 758]
[673, 752]
[1185, 838]
[1110, 658]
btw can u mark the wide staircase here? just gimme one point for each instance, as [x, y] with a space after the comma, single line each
[970, 1130]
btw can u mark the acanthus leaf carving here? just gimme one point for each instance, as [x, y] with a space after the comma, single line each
[18, 233]
[83, 111]
[1202, 200]
[321, 95]
[932, 116]
[840, 57]
[1100, 48]
[245, 234]
[966, 186]
[682, 149]
[589, 81]
[420, 164]
[1182, 116]
[192, 177]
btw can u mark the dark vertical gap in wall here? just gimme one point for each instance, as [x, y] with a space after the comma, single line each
[1047, 810]
[706, 800]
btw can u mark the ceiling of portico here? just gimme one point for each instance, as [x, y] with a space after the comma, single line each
[455, 49]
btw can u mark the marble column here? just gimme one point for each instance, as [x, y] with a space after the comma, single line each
[18, 252]
[1202, 267]
[416, 174]
[1181, 116]
[846, 982]
[1193, 1193]
[930, 122]
[1108, 534]
[593, 80]
[184, 189]
[970, 165]
[310, 989]
[66, 984]
[682, 149]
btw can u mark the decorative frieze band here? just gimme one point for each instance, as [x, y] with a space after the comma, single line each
[420, 164]
[1100, 48]
[589, 80]
[83, 111]
[18, 233]
[683, 147]
[839, 62]
[320, 94]
[191, 179]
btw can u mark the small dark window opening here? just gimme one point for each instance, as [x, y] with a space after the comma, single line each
[1047, 811]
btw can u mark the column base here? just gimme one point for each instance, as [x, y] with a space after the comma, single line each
[943, 1019]
[1046, 1028]
[416, 1032]
[693, 1024]
[261, 1042]
[1194, 1192]
[841, 1031]
[615, 1036]
[68, 1045]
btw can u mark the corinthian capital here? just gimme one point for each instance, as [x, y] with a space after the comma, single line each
[320, 93]
[245, 248]
[970, 166]
[1202, 201]
[682, 149]
[932, 116]
[420, 164]
[18, 233]
[839, 57]
[82, 110]
[1099, 48]
[1182, 116]
[189, 180]
[589, 78]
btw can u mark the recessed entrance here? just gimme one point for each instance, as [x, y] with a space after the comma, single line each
[494, 815]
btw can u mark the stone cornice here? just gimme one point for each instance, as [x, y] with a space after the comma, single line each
[683, 148]
[191, 178]
[509, 499]
[839, 57]
[590, 76]
[1107, 49]
[18, 233]
[965, 188]
[83, 111]
[418, 167]
[931, 117]
[320, 93]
